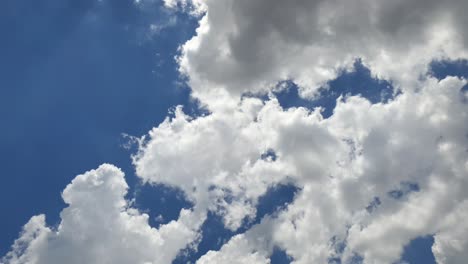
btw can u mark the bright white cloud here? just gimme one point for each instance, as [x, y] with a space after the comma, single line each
[341, 163]
[99, 226]
[215, 157]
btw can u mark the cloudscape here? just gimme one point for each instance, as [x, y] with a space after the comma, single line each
[234, 131]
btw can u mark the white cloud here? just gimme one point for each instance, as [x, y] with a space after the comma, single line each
[98, 226]
[222, 150]
[418, 137]
[236, 251]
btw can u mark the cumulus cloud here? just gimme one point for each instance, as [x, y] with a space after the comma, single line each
[246, 45]
[216, 159]
[341, 164]
[99, 226]
[346, 166]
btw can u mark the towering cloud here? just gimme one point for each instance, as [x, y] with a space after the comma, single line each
[99, 226]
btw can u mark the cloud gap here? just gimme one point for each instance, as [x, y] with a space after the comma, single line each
[214, 234]
[161, 202]
[356, 82]
[405, 189]
[280, 256]
[419, 251]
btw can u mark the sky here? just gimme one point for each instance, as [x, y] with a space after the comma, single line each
[232, 131]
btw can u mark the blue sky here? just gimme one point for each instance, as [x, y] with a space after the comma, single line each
[75, 76]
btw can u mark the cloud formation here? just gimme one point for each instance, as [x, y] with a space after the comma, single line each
[246, 45]
[372, 177]
[99, 226]
[341, 164]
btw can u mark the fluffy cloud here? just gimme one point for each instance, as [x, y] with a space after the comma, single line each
[216, 159]
[247, 45]
[99, 226]
[341, 163]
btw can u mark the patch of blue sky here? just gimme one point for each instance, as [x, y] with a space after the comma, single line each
[443, 68]
[215, 235]
[161, 202]
[279, 256]
[419, 251]
[356, 82]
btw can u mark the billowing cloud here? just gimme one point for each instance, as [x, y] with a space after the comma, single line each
[99, 226]
[246, 45]
[341, 164]
[372, 177]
